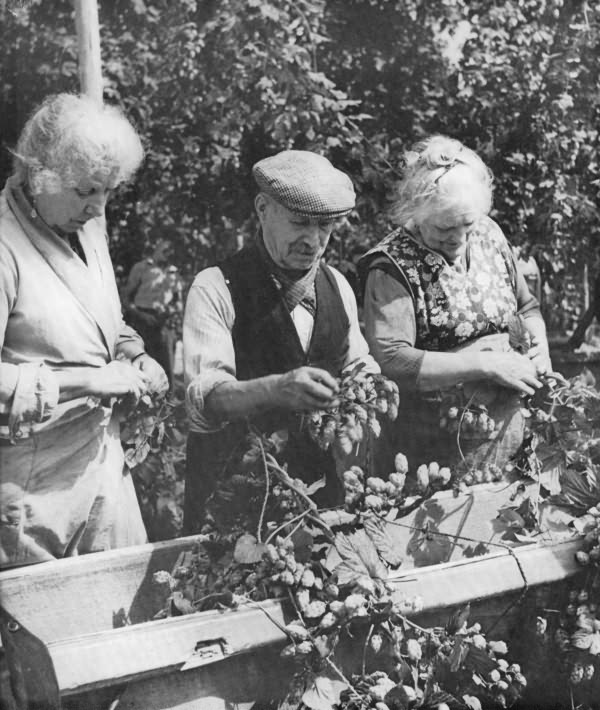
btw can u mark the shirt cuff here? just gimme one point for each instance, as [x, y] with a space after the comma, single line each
[130, 349]
[129, 343]
[35, 398]
[195, 399]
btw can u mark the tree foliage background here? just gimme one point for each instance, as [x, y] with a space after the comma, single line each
[215, 85]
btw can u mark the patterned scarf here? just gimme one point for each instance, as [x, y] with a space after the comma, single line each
[296, 287]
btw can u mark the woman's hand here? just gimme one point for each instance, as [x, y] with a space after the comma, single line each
[158, 382]
[510, 369]
[118, 379]
[540, 356]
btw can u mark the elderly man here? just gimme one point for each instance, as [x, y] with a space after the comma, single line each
[267, 332]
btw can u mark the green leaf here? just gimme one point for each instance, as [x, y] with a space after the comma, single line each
[477, 660]
[511, 518]
[359, 558]
[380, 534]
[458, 655]
[248, 550]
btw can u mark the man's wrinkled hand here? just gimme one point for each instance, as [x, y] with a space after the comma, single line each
[306, 389]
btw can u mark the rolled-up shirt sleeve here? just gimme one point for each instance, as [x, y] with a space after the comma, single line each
[390, 329]
[358, 348]
[28, 391]
[129, 343]
[208, 354]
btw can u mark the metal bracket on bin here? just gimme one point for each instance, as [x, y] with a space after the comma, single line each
[207, 652]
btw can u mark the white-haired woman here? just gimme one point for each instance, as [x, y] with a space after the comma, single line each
[66, 354]
[440, 293]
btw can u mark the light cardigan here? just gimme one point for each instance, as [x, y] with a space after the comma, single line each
[54, 311]
[63, 486]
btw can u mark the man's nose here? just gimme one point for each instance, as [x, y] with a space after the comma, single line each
[313, 233]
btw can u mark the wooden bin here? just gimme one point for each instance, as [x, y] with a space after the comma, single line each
[77, 607]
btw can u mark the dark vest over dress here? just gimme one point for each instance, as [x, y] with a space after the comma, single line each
[455, 309]
[266, 343]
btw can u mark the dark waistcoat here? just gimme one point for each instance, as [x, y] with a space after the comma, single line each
[264, 337]
[266, 343]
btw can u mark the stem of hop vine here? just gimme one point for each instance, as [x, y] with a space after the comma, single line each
[285, 479]
[266, 496]
[364, 656]
[342, 677]
[287, 523]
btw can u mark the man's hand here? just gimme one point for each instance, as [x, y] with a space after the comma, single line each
[305, 389]
[158, 382]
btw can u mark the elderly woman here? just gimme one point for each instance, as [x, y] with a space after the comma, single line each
[441, 292]
[66, 355]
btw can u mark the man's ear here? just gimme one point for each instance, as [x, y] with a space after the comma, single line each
[260, 205]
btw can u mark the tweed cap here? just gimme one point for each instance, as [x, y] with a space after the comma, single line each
[305, 183]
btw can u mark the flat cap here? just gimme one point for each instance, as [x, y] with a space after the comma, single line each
[305, 183]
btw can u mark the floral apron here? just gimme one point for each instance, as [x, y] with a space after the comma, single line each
[457, 308]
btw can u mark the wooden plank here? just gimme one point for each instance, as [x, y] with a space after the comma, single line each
[88, 42]
[119, 655]
[495, 574]
[237, 682]
[62, 599]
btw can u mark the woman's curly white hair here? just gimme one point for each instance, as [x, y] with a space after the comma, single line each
[422, 187]
[69, 138]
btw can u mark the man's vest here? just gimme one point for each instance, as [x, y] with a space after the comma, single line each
[264, 336]
[266, 343]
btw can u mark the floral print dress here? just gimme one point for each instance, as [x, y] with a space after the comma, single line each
[456, 305]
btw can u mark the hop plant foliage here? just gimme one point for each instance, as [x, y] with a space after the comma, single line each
[363, 398]
[345, 604]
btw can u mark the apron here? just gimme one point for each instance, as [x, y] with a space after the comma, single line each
[63, 492]
[456, 310]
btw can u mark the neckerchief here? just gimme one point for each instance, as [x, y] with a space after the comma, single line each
[296, 287]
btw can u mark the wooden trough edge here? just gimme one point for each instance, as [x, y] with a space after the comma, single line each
[108, 657]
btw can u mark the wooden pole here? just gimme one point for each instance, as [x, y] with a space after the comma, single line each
[88, 40]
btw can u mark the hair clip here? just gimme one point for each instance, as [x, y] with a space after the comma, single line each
[446, 168]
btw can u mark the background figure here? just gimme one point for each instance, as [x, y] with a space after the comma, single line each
[152, 299]
[528, 266]
[588, 316]
[66, 354]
